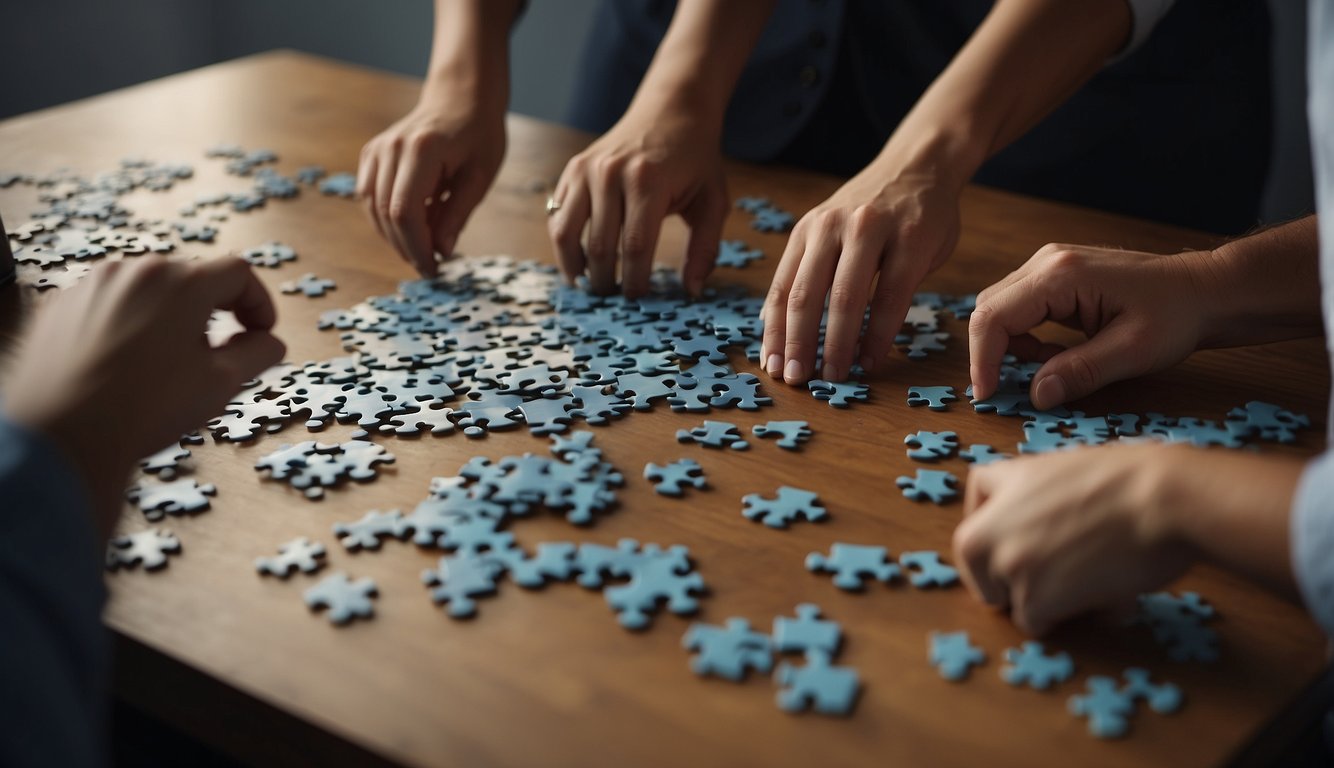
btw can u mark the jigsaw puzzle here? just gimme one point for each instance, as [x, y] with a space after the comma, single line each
[728, 652]
[298, 554]
[930, 446]
[148, 548]
[853, 564]
[178, 497]
[789, 505]
[935, 485]
[344, 598]
[671, 479]
[819, 685]
[1031, 665]
[790, 434]
[953, 655]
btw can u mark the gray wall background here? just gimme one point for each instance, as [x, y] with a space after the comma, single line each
[55, 51]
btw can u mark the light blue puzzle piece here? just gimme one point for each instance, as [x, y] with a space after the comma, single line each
[839, 394]
[982, 454]
[736, 254]
[927, 570]
[728, 652]
[953, 655]
[934, 398]
[789, 505]
[934, 484]
[852, 564]
[807, 632]
[819, 685]
[929, 446]
[1106, 706]
[1030, 665]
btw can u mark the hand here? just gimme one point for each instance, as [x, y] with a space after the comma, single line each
[1054, 536]
[1142, 313]
[897, 226]
[423, 176]
[117, 366]
[651, 164]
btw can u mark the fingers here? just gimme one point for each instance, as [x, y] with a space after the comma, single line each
[418, 177]
[973, 543]
[467, 190]
[1011, 311]
[645, 209]
[848, 295]
[805, 308]
[566, 226]
[367, 178]
[604, 227]
[387, 170]
[246, 355]
[231, 284]
[889, 306]
[705, 216]
[1116, 352]
[774, 313]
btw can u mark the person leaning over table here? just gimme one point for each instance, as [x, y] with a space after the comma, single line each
[1058, 535]
[826, 85]
[110, 371]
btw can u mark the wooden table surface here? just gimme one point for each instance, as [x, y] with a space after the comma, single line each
[547, 677]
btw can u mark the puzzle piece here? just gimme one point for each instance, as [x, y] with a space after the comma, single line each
[919, 345]
[345, 599]
[1163, 698]
[459, 578]
[736, 254]
[935, 398]
[852, 564]
[839, 394]
[790, 434]
[1030, 665]
[789, 505]
[1178, 624]
[166, 462]
[936, 485]
[488, 411]
[728, 652]
[771, 219]
[982, 454]
[807, 633]
[929, 446]
[340, 184]
[148, 548]
[1107, 708]
[314, 287]
[714, 434]
[300, 553]
[174, 498]
[672, 478]
[271, 254]
[366, 532]
[554, 560]
[655, 576]
[953, 655]
[820, 685]
[927, 570]
[1267, 421]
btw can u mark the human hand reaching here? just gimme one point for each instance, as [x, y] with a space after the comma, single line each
[118, 366]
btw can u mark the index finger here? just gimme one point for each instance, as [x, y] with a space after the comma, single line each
[231, 284]
[1012, 311]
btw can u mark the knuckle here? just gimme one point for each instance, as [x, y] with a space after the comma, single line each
[863, 219]
[399, 212]
[634, 244]
[800, 298]
[845, 299]
[639, 173]
[420, 140]
[1064, 262]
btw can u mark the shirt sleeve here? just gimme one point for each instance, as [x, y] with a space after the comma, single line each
[1312, 539]
[54, 652]
[1144, 16]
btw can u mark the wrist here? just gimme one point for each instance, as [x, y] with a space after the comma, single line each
[947, 156]
[676, 98]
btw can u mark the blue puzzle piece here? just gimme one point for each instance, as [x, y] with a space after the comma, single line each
[927, 570]
[934, 398]
[982, 454]
[1044, 438]
[790, 434]
[553, 561]
[671, 479]
[728, 652]
[771, 219]
[953, 655]
[929, 446]
[458, 578]
[656, 576]
[1030, 665]
[753, 204]
[838, 394]
[340, 184]
[1267, 421]
[736, 254]
[920, 344]
[934, 484]
[345, 599]
[806, 633]
[852, 564]
[789, 505]
[1107, 708]
[714, 434]
[1178, 624]
[819, 685]
[1163, 698]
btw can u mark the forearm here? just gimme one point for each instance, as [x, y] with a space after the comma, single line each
[1026, 58]
[470, 51]
[1265, 287]
[1233, 509]
[700, 59]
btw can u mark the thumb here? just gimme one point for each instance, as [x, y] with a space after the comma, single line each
[245, 355]
[465, 192]
[1116, 352]
[705, 216]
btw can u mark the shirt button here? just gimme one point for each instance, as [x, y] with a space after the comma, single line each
[809, 75]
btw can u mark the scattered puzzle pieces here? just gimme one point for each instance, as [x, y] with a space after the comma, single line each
[953, 655]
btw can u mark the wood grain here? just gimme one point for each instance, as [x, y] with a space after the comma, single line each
[548, 677]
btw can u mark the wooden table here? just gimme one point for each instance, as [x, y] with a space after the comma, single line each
[547, 677]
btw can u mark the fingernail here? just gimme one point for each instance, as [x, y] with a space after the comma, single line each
[1050, 392]
[830, 373]
[774, 365]
[792, 374]
[867, 363]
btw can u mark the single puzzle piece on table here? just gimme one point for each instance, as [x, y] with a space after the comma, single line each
[1178, 624]
[736, 254]
[656, 576]
[178, 497]
[714, 434]
[271, 254]
[366, 532]
[1267, 421]
[548, 415]
[671, 479]
[311, 467]
[489, 411]
[298, 554]
[729, 651]
[819, 685]
[771, 219]
[148, 548]
[807, 632]
[597, 406]
[1107, 708]
[839, 394]
[344, 598]
[853, 564]
[412, 422]
[166, 462]
[789, 505]
[340, 184]
[753, 204]
[922, 318]
[1031, 665]
[1163, 698]
[575, 444]
[929, 446]
[310, 174]
[790, 434]
[459, 578]
[62, 278]
[926, 570]
[982, 454]
[242, 420]
[553, 561]
[314, 287]
[203, 233]
[953, 654]
[935, 485]
[935, 398]
[919, 345]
